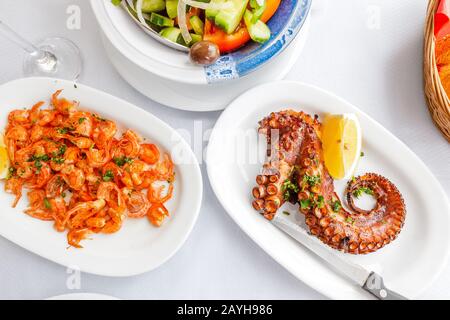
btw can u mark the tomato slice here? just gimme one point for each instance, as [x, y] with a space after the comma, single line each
[231, 42]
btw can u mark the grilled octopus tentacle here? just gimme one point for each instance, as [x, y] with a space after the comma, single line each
[295, 172]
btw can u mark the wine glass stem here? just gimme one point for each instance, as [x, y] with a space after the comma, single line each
[20, 41]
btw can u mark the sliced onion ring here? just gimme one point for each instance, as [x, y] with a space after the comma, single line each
[181, 11]
[131, 4]
[139, 11]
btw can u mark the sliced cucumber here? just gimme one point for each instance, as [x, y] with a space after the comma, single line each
[229, 19]
[259, 31]
[149, 6]
[197, 24]
[256, 4]
[160, 20]
[195, 38]
[170, 33]
[257, 13]
[171, 8]
[211, 14]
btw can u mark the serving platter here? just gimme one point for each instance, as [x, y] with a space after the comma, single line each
[235, 154]
[138, 247]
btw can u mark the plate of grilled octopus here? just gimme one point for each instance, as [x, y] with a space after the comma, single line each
[402, 232]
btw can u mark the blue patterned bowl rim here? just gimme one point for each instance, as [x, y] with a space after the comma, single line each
[252, 56]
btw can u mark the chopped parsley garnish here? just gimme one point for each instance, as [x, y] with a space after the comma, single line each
[116, 2]
[108, 176]
[359, 192]
[61, 150]
[336, 206]
[305, 204]
[311, 180]
[38, 165]
[121, 161]
[286, 213]
[38, 161]
[320, 202]
[64, 130]
[350, 220]
[362, 154]
[80, 120]
[58, 160]
[43, 157]
[11, 172]
[47, 204]
[63, 194]
[289, 189]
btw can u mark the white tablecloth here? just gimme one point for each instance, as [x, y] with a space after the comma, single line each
[369, 52]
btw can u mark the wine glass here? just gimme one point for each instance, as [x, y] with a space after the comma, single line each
[53, 57]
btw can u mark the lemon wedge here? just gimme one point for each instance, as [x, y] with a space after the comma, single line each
[4, 159]
[341, 141]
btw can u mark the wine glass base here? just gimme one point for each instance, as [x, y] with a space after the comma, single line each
[58, 58]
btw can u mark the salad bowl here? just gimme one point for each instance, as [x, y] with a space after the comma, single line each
[174, 65]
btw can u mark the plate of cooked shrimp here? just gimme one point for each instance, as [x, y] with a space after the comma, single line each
[91, 181]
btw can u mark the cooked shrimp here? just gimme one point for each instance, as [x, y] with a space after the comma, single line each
[164, 168]
[62, 105]
[98, 158]
[109, 192]
[157, 213]
[114, 223]
[80, 176]
[149, 153]
[36, 133]
[80, 142]
[159, 193]
[73, 176]
[55, 186]
[136, 170]
[58, 209]
[18, 117]
[104, 133]
[75, 236]
[95, 206]
[137, 204]
[42, 175]
[129, 144]
[82, 123]
[14, 186]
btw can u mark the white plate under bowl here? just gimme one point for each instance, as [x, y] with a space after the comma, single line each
[409, 264]
[138, 247]
[209, 97]
[145, 52]
[82, 296]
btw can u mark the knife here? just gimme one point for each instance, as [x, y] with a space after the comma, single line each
[368, 280]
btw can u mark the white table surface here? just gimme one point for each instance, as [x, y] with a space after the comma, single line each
[369, 52]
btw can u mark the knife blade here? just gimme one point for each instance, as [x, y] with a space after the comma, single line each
[366, 279]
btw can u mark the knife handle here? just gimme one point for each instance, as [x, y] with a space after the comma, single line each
[375, 285]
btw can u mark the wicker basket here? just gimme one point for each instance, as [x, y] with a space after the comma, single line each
[437, 99]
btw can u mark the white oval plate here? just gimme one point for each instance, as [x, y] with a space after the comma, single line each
[138, 247]
[409, 264]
